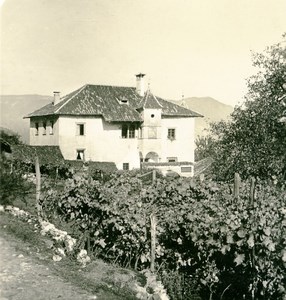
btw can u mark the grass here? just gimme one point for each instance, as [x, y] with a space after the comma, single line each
[106, 281]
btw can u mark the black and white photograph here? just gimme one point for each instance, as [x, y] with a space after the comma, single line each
[143, 149]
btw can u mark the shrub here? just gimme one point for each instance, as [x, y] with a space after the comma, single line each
[236, 248]
[13, 185]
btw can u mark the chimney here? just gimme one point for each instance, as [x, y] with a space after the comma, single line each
[140, 88]
[57, 97]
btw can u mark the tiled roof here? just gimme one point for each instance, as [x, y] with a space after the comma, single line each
[48, 155]
[107, 167]
[149, 101]
[202, 165]
[170, 109]
[112, 102]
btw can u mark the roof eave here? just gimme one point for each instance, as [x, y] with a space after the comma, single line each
[182, 115]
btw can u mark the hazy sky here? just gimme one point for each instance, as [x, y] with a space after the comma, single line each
[194, 47]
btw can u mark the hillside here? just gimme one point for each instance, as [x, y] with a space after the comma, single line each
[14, 107]
[211, 109]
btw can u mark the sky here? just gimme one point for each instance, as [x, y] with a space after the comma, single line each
[194, 48]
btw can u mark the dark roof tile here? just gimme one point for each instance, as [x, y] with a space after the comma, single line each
[107, 167]
[115, 104]
[48, 155]
[150, 101]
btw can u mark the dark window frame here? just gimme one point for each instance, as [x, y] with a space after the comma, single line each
[131, 132]
[125, 166]
[172, 159]
[78, 152]
[44, 128]
[187, 169]
[171, 133]
[52, 127]
[128, 131]
[124, 131]
[37, 128]
[80, 129]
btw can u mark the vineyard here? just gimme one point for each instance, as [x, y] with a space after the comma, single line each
[204, 240]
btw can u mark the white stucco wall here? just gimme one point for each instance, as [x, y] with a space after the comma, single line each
[177, 169]
[102, 141]
[150, 140]
[182, 146]
[48, 138]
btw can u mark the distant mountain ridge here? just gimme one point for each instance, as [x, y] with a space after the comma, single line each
[212, 110]
[14, 107]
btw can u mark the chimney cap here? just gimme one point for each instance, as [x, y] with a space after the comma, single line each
[55, 92]
[140, 75]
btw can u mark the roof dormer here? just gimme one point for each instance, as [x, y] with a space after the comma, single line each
[123, 100]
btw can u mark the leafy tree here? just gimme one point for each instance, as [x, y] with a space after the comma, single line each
[10, 137]
[254, 141]
[204, 147]
[13, 185]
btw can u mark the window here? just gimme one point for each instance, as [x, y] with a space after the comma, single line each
[80, 129]
[52, 127]
[126, 166]
[44, 128]
[128, 131]
[80, 154]
[131, 132]
[36, 128]
[152, 116]
[124, 131]
[152, 133]
[172, 159]
[124, 100]
[186, 169]
[140, 132]
[171, 133]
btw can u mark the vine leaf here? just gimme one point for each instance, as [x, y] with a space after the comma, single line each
[284, 256]
[102, 243]
[250, 241]
[241, 233]
[267, 231]
[239, 259]
[229, 238]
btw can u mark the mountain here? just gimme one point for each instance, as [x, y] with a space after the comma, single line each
[212, 110]
[14, 107]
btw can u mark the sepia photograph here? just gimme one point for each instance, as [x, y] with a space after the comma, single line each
[143, 149]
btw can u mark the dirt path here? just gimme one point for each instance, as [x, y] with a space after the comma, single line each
[24, 278]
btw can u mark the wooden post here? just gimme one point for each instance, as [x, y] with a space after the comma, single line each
[153, 242]
[252, 191]
[253, 255]
[38, 188]
[57, 172]
[88, 242]
[153, 176]
[236, 185]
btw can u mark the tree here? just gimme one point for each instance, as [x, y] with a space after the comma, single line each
[204, 147]
[253, 142]
[13, 185]
[9, 136]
